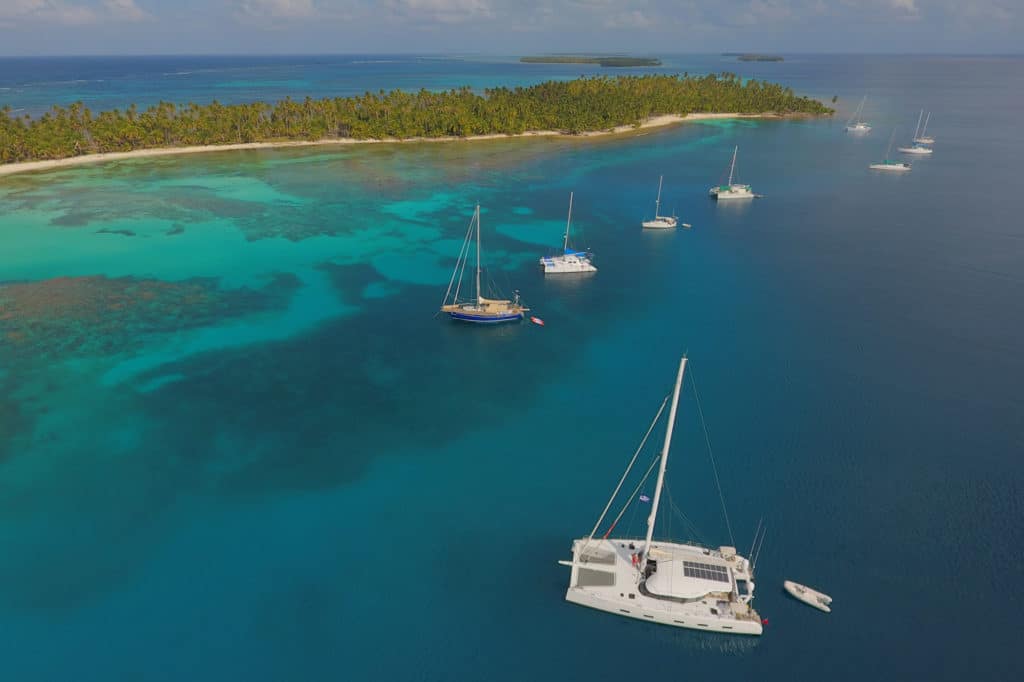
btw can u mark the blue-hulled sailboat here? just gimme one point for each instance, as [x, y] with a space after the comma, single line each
[478, 309]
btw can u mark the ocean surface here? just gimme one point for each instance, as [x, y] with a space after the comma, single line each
[236, 442]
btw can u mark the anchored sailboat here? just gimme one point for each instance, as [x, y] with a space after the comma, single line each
[855, 125]
[478, 309]
[887, 164]
[731, 190]
[660, 222]
[917, 148]
[681, 585]
[924, 137]
[570, 260]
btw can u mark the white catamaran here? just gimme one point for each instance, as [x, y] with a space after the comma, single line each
[660, 222]
[569, 260]
[887, 164]
[680, 585]
[731, 190]
[917, 147]
[855, 125]
[478, 309]
[924, 138]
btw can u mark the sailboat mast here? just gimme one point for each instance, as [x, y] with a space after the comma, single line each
[926, 119]
[732, 167]
[657, 202]
[478, 254]
[664, 460]
[918, 128]
[568, 222]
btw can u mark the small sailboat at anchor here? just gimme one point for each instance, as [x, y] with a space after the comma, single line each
[855, 125]
[917, 147]
[660, 222]
[569, 260]
[478, 309]
[925, 138]
[888, 164]
[732, 190]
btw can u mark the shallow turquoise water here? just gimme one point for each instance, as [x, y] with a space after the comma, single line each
[239, 445]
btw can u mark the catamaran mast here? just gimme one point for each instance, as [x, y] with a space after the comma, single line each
[733, 166]
[657, 202]
[565, 244]
[918, 128]
[664, 459]
[478, 297]
[926, 119]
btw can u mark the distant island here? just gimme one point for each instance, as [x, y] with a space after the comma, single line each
[581, 106]
[750, 57]
[603, 61]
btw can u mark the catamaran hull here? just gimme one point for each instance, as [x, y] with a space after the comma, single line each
[485, 319]
[557, 266]
[736, 627]
[728, 196]
[890, 167]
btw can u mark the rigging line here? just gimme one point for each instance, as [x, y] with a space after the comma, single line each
[628, 468]
[711, 456]
[634, 493]
[691, 527]
[461, 260]
[757, 531]
[753, 562]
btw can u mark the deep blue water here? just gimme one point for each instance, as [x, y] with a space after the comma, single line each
[238, 445]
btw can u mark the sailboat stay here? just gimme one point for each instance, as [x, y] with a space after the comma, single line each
[675, 584]
[477, 309]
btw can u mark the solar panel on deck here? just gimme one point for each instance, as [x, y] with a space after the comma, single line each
[694, 569]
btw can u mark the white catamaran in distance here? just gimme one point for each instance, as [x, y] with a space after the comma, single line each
[917, 147]
[924, 138]
[855, 125]
[660, 222]
[680, 585]
[569, 260]
[887, 164]
[730, 190]
[478, 309]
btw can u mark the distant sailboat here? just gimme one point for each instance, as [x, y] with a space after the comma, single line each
[924, 138]
[660, 222]
[887, 164]
[478, 309]
[916, 148]
[731, 190]
[569, 260]
[855, 125]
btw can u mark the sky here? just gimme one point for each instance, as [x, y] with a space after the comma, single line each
[507, 27]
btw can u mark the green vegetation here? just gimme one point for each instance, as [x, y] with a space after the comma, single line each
[586, 104]
[603, 61]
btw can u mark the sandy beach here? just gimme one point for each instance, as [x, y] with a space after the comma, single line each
[53, 164]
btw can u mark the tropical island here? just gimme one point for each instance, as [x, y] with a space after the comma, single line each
[752, 57]
[582, 106]
[603, 61]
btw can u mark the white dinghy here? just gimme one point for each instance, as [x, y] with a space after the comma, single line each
[820, 601]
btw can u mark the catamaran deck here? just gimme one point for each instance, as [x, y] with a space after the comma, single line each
[686, 586]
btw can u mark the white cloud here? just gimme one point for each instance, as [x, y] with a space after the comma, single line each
[278, 9]
[125, 10]
[13, 12]
[442, 11]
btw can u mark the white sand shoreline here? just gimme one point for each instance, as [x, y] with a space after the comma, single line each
[54, 164]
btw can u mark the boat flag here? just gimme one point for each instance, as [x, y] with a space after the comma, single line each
[644, 498]
[537, 321]
[764, 621]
